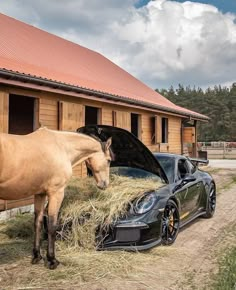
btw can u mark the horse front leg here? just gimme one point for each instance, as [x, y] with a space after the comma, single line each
[39, 203]
[54, 204]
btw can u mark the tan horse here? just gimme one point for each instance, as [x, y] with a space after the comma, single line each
[41, 164]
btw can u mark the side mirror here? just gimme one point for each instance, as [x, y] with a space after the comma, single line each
[188, 178]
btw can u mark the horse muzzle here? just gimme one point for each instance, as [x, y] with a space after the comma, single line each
[102, 185]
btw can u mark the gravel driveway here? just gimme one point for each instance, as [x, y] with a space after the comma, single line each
[223, 163]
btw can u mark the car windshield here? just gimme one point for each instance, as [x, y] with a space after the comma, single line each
[134, 173]
[168, 165]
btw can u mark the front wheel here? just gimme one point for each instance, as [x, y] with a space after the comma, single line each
[170, 223]
[211, 201]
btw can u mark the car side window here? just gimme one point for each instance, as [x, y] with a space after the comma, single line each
[192, 168]
[183, 168]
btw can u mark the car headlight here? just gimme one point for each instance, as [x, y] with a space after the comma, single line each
[144, 203]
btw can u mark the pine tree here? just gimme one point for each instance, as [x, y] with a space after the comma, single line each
[218, 103]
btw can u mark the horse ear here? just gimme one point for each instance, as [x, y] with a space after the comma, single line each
[108, 143]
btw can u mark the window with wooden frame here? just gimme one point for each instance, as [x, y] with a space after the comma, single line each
[153, 128]
[23, 114]
[92, 115]
[136, 125]
[164, 130]
[155, 123]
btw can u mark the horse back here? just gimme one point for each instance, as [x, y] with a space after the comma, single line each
[30, 164]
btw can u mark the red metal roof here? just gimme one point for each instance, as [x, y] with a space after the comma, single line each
[31, 51]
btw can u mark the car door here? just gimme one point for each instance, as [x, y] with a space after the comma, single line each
[187, 192]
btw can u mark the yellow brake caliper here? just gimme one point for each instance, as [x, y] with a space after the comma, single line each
[171, 222]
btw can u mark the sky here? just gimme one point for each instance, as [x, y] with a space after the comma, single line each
[160, 42]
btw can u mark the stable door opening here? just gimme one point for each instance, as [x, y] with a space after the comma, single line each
[21, 115]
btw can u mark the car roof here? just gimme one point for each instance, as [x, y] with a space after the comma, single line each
[171, 155]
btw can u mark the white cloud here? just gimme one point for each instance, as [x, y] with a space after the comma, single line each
[162, 43]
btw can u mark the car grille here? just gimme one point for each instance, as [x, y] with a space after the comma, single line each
[127, 235]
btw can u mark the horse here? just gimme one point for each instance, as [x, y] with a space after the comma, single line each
[40, 164]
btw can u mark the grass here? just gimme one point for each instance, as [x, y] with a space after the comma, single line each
[22, 226]
[209, 169]
[224, 178]
[228, 184]
[226, 278]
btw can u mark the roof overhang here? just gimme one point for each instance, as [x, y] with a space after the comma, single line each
[40, 82]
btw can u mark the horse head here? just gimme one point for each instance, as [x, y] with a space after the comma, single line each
[99, 164]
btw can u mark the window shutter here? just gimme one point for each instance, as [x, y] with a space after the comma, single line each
[71, 116]
[122, 119]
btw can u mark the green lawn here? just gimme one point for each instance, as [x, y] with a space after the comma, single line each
[226, 278]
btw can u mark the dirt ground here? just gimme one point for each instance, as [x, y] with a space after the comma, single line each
[188, 264]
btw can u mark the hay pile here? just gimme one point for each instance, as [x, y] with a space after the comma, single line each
[86, 209]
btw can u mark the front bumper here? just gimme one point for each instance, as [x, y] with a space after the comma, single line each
[132, 236]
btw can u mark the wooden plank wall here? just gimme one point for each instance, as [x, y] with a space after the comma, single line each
[189, 141]
[48, 113]
[122, 119]
[147, 133]
[117, 116]
[71, 117]
[107, 117]
[174, 135]
[189, 135]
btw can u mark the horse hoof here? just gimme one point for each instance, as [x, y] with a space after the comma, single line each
[52, 264]
[36, 260]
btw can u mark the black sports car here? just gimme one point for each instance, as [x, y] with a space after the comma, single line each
[155, 218]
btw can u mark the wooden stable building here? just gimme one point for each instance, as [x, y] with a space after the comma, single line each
[49, 81]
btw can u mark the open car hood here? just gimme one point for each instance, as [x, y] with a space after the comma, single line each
[129, 151]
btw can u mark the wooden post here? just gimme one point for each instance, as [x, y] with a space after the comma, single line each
[224, 150]
[182, 137]
[195, 153]
[4, 112]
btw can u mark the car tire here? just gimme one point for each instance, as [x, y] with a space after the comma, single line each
[211, 201]
[170, 223]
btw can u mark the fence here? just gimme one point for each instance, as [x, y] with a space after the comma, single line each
[218, 150]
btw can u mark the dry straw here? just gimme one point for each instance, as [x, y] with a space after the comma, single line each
[85, 207]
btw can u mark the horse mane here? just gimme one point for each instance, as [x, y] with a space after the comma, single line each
[98, 135]
[103, 144]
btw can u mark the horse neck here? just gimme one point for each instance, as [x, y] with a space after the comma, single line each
[79, 147]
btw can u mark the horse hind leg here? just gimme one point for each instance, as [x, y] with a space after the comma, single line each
[39, 203]
[54, 203]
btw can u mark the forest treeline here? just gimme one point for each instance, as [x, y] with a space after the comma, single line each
[218, 103]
